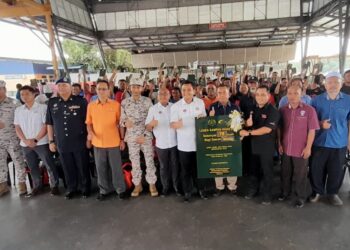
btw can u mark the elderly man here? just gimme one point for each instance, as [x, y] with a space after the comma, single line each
[9, 144]
[158, 121]
[65, 119]
[298, 124]
[223, 107]
[331, 141]
[31, 130]
[133, 116]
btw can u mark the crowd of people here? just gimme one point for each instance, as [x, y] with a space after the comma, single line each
[306, 125]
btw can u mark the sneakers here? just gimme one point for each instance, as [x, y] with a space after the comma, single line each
[315, 198]
[153, 190]
[299, 203]
[3, 189]
[22, 188]
[282, 197]
[266, 201]
[335, 200]
[137, 190]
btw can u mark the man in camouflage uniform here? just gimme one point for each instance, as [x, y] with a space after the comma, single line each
[9, 144]
[133, 116]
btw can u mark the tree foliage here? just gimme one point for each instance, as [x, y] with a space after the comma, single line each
[79, 53]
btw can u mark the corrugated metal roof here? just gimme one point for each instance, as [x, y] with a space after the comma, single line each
[22, 66]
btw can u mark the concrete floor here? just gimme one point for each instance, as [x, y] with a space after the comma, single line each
[226, 222]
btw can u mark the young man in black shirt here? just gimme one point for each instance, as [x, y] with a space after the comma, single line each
[261, 127]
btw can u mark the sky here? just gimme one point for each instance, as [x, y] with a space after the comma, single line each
[19, 42]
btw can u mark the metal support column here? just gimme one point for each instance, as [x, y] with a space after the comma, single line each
[48, 19]
[98, 41]
[344, 35]
[60, 49]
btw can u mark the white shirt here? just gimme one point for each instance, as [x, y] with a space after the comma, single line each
[165, 135]
[31, 121]
[186, 136]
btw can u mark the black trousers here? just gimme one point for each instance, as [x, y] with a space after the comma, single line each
[261, 170]
[294, 179]
[76, 170]
[189, 180]
[169, 168]
[246, 154]
[327, 169]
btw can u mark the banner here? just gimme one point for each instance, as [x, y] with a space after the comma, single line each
[219, 150]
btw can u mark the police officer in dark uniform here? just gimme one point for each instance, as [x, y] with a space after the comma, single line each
[67, 134]
[261, 127]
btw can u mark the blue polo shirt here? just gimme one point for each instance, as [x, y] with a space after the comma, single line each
[223, 110]
[338, 111]
[284, 100]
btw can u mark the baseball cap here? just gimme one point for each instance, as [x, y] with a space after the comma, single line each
[63, 80]
[333, 74]
[136, 81]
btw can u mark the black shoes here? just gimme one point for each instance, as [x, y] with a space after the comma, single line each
[165, 192]
[101, 197]
[69, 195]
[85, 195]
[187, 198]
[218, 193]
[123, 196]
[203, 195]
[55, 191]
[34, 192]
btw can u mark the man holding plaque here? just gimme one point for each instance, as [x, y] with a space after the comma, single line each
[261, 126]
[223, 107]
[183, 115]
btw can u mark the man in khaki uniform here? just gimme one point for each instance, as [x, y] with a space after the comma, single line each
[9, 144]
[134, 112]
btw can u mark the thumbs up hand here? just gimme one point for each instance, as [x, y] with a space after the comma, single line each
[249, 122]
[212, 112]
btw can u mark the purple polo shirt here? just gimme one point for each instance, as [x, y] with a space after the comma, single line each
[295, 124]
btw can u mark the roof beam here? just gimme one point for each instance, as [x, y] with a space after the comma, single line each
[24, 8]
[177, 30]
[114, 6]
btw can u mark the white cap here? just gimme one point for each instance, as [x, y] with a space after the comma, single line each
[333, 74]
[136, 81]
[2, 84]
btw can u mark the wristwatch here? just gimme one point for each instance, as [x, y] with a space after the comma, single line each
[51, 142]
[35, 140]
